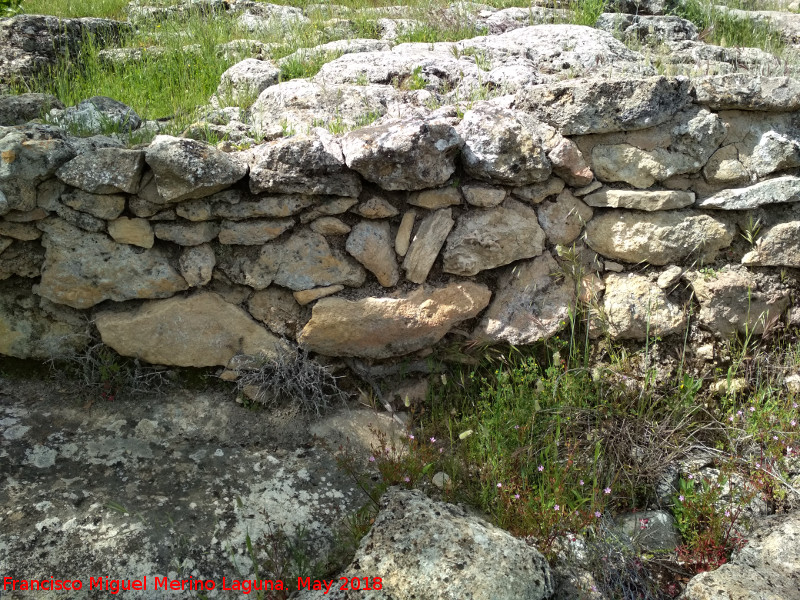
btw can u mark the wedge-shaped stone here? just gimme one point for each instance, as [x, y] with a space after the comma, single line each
[303, 164]
[563, 218]
[404, 154]
[392, 326]
[777, 247]
[200, 331]
[772, 191]
[492, 238]
[427, 243]
[306, 261]
[635, 307]
[28, 331]
[105, 171]
[271, 206]
[137, 232]
[277, 309]
[186, 169]
[82, 269]
[658, 238]
[744, 91]
[254, 232]
[502, 145]
[605, 105]
[640, 200]
[186, 234]
[530, 303]
[735, 300]
[28, 156]
[371, 244]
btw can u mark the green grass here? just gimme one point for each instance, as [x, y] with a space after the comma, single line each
[724, 29]
[108, 9]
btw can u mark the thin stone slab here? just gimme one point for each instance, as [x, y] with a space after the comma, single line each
[646, 200]
[427, 243]
[773, 191]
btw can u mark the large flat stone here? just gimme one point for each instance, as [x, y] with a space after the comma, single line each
[658, 238]
[200, 331]
[82, 269]
[635, 307]
[646, 200]
[105, 171]
[605, 105]
[777, 247]
[391, 326]
[773, 191]
[745, 91]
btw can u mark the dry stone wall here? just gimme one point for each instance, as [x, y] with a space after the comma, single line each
[378, 243]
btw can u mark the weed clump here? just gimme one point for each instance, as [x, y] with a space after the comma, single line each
[290, 375]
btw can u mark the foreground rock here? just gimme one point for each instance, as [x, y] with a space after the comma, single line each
[392, 326]
[417, 543]
[133, 477]
[200, 331]
[767, 567]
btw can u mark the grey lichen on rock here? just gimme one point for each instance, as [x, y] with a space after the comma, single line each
[105, 171]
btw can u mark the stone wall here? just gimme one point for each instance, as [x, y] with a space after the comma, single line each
[672, 200]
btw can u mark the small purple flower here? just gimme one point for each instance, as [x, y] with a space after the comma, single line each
[581, 482]
[758, 465]
[407, 479]
[556, 508]
[793, 422]
[441, 450]
[541, 468]
[680, 497]
[516, 496]
[433, 440]
[730, 418]
[371, 459]
[411, 436]
[738, 412]
[597, 514]
[752, 409]
[727, 513]
[607, 491]
[499, 485]
[691, 476]
[775, 437]
[516, 426]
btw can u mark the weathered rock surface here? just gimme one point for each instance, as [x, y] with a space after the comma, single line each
[427, 242]
[767, 567]
[436, 198]
[492, 238]
[371, 244]
[244, 81]
[137, 232]
[186, 234]
[98, 114]
[734, 300]
[304, 261]
[420, 542]
[742, 91]
[530, 303]
[683, 145]
[563, 218]
[772, 191]
[269, 206]
[18, 109]
[82, 269]
[777, 247]
[660, 237]
[254, 231]
[539, 191]
[640, 199]
[376, 207]
[277, 309]
[651, 30]
[635, 307]
[409, 154]
[204, 469]
[102, 206]
[105, 171]
[186, 169]
[33, 43]
[393, 326]
[483, 196]
[29, 331]
[503, 146]
[606, 105]
[197, 264]
[330, 226]
[303, 164]
[202, 330]
[28, 156]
